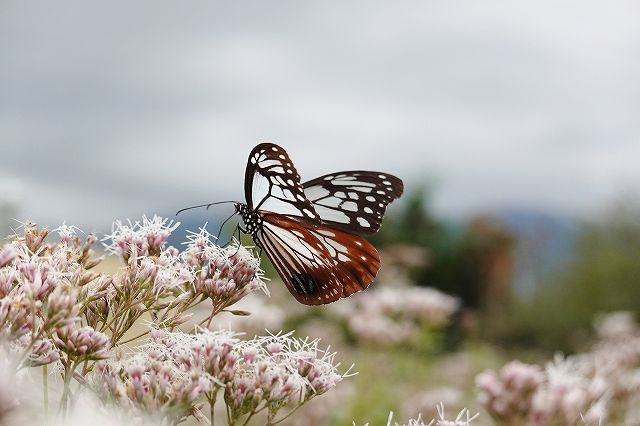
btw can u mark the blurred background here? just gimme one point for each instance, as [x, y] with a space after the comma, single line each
[513, 124]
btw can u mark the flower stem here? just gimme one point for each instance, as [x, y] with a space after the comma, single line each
[135, 337]
[45, 390]
[288, 414]
[212, 403]
[69, 368]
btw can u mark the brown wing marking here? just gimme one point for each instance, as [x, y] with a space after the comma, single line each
[318, 265]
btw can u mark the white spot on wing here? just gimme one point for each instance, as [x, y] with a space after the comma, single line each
[269, 162]
[350, 205]
[363, 222]
[316, 192]
[330, 214]
[330, 202]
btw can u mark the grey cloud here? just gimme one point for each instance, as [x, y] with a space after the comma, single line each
[153, 104]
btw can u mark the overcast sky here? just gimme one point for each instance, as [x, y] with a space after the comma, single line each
[109, 109]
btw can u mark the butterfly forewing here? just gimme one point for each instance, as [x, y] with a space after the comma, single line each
[354, 201]
[272, 183]
[318, 264]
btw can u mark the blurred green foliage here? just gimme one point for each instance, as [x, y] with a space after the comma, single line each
[463, 258]
[472, 260]
[603, 276]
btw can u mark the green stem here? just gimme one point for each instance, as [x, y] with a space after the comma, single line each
[69, 368]
[122, 311]
[134, 338]
[45, 390]
[251, 414]
[288, 414]
[212, 403]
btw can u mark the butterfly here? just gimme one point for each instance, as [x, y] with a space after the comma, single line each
[312, 232]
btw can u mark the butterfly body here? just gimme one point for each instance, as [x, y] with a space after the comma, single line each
[252, 219]
[311, 231]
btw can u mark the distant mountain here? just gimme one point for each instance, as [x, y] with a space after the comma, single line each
[194, 221]
[545, 243]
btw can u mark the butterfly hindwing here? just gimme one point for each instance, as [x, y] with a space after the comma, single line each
[356, 261]
[354, 201]
[319, 265]
[272, 183]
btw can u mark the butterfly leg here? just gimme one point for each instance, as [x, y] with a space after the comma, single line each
[238, 230]
[233, 234]
[222, 226]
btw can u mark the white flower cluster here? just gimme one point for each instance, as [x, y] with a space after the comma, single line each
[171, 372]
[160, 280]
[54, 308]
[464, 418]
[389, 315]
[139, 238]
[41, 307]
[602, 384]
[224, 275]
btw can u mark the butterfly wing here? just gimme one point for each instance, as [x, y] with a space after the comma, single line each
[318, 265]
[354, 201]
[272, 183]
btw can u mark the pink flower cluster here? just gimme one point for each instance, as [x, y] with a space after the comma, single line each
[464, 418]
[166, 283]
[224, 275]
[599, 385]
[83, 342]
[56, 309]
[509, 394]
[390, 316]
[40, 308]
[173, 370]
[139, 239]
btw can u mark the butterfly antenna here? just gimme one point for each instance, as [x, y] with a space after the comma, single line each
[204, 205]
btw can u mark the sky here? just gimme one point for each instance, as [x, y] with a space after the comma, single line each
[109, 110]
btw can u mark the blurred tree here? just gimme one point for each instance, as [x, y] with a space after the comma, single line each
[603, 276]
[472, 261]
